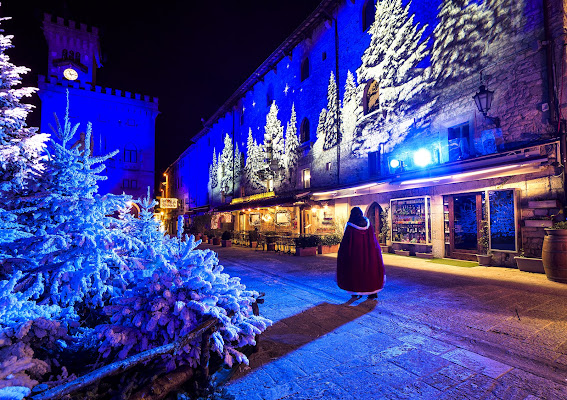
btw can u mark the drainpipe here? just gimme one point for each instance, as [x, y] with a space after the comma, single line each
[554, 118]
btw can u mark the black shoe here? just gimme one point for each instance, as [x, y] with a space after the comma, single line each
[355, 297]
[373, 296]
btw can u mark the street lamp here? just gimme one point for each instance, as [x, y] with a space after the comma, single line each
[483, 99]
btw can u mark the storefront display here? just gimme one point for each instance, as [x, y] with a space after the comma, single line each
[411, 220]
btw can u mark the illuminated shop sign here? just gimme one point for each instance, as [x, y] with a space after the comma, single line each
[252, 197]
[166, 202]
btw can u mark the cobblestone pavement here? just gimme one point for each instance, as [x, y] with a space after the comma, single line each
[436, 332]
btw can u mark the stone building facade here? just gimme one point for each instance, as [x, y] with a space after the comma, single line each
[121, 120]
[380, 97]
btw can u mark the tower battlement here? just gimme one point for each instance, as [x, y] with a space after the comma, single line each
[87, 86]
[69, 24]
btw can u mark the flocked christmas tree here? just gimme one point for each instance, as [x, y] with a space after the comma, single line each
[274, 141]
[226, 166]
[348, 111]
[331, 128]
[459, 41]
[391, 60]
[291, 148]
[21, 147]
[213, 171]
[254, 164]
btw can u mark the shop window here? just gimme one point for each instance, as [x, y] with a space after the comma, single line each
[305, 69]
[459, 141]
[306, 178]
[371, 97]
[304, 131]
[502, 209]
[368, 15]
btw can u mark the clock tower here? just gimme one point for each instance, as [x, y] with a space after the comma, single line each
[73, 50]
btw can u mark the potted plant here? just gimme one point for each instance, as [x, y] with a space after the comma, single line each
[528, 264]
[226, 239]
[483, 242]
[271, 240]
[553, 254]
[306, 245]
[329, 244]
[384, 235]
[216, 238]
[253, 236]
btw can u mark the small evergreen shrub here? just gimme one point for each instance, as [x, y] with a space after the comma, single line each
[226, 235]
[307, 241]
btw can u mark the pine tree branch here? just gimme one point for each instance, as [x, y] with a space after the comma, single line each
[123, 365]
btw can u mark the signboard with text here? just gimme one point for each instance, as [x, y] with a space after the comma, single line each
[166, 202]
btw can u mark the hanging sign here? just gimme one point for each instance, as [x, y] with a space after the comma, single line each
[166, 202]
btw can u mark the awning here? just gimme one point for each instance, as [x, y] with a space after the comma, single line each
[200, 209]
[284, 200]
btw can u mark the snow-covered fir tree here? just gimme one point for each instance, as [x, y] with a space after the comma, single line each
[459, 41]
[274, 137]
[21, 147]
[291, 148]
[213, 171]
[238, 164]
[226, 166]
[395, 50]
[320, 133]
[254, 164]
[348, 111]
[331, 129]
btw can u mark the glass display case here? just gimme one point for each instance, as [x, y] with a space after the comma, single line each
[411, 220]
[447, 228]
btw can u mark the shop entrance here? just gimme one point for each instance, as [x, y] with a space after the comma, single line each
[374, 215]
[463, 216]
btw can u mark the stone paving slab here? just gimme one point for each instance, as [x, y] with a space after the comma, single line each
[436, 332]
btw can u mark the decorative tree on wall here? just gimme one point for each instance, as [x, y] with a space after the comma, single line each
[274, 135]
[460, 41]
[291, 148]
[213, 170]
[348, 111]
[395, 50]
[226, 165]
[332, 134]
[254, 163]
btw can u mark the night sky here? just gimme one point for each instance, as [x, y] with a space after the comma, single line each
[193, 55]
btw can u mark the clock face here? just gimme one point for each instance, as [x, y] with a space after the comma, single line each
[70, 74]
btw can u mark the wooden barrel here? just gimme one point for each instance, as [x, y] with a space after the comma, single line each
[554, 255]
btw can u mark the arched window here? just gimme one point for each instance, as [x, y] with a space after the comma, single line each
[64, 54]
[305, 69]
[371, 97]
[71, 55]
[304, 131]
[368, 14]
[270, 95]
[77, 57]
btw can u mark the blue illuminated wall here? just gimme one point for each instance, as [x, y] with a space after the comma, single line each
[423, 93]
[121, 120]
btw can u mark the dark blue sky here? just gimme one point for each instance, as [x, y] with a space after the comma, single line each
[191, 54]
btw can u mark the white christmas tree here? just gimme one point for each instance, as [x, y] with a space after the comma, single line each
[320, 133]
[348, 111]
[460, 41]
[291, 143]
[254, 164]
[21, 147]
[274, 137]
[213, 171]
[395, 50]
[226, 165]
[332, 135]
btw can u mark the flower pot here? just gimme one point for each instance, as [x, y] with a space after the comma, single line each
[554, 255]
[484, 259]
[322, 249]
[528, 264]
[226, 243]
[216, 240]
[402, 252]
[424, 255]
[385, 248]
[253, 244]
[306, 251]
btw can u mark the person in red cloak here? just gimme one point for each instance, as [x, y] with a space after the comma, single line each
[360, 269]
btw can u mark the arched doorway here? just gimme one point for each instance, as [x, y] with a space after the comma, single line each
[374, 215]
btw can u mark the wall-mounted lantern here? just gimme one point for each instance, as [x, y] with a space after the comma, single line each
[483, 99]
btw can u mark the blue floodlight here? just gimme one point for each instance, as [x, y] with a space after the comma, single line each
[394, 163]
[422, 158]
